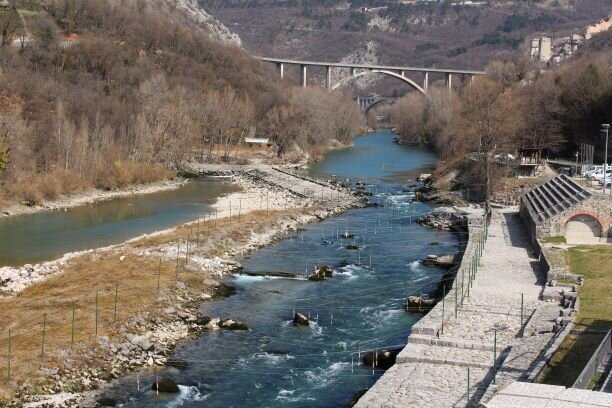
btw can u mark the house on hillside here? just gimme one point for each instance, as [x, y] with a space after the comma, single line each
[562, 207]
[4, 5]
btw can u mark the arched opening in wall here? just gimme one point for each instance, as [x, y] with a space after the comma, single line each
[582, 229]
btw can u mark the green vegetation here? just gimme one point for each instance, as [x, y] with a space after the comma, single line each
[426, 47]
[555, 240]
[570, 359]
[457, 51]
[594, 263]
[496, 38]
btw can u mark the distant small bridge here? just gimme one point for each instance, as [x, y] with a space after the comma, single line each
[359, 70]
[368, 102]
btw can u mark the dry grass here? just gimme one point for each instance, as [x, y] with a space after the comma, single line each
[100, 273]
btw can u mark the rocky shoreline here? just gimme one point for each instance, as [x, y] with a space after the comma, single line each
[147, 339]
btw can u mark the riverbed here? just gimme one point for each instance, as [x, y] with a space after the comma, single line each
[361, 308]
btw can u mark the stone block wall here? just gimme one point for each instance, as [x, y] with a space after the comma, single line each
[598, 206]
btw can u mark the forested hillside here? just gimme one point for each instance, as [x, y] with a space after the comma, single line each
[515, 106]
[440, 34]
[104, 93]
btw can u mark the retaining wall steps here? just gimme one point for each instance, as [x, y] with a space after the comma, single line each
[435, 354]
[446, 341]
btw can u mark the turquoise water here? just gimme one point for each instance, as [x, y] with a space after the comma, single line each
[43, 236]
[361, 308]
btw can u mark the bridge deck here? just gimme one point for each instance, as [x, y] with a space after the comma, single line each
[362, 66]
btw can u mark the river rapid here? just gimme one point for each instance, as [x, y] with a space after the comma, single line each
[361, 308]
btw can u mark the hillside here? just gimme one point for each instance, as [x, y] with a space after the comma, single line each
[118, 94]
[422, 34]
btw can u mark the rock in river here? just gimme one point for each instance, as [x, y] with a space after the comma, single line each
[384, 358]
[165, 385]
[229, 324]
[300, 320]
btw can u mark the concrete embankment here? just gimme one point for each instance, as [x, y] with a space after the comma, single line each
[491, 329]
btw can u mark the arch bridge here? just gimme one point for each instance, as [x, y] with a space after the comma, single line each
[368, 102]
[358, 70]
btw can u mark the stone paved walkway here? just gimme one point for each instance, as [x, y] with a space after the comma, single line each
[433, 371]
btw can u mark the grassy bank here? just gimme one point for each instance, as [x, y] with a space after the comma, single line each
[103, 290]
[594, 263]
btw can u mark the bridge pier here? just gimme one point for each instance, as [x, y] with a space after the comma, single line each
[425, 81]
[303, 75]
[328, 83]
[449, 80]
[280, 67]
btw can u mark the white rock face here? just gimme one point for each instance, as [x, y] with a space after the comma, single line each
[199, 15]
[368, 54]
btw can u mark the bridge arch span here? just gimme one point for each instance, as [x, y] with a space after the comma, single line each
[409, 81]
[376, 103]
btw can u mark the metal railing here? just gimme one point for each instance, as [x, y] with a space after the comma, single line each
[598, 357]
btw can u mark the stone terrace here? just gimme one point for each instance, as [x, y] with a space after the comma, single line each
[433, 371]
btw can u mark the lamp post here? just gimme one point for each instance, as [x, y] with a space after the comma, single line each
[605, 128]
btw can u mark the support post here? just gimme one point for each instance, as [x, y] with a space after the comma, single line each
[42, 344]
[468, 388]
[425, 81]
[97, 314]
[8, 376]
[281, 69]
[494, 354]
[303, 74]
[72, 329]
[117, 293]
[443, 304]
[522, 315]
[328, 83]
[449, 81]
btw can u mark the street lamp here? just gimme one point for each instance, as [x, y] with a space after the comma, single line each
[605, 128]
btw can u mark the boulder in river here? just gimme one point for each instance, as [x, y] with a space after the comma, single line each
[352, 247]
[223, 291]
[321, 272]
[230, 324]
[383, 359]
[300, 320]
[165, 385]
[444, 261]
[420, 303]
[347, 235]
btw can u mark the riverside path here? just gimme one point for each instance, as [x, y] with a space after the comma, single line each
[451, 364]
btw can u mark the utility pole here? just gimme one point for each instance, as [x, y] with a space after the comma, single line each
[606, 128]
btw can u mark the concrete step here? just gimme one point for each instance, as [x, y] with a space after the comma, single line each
[452, 342]
[423, 353]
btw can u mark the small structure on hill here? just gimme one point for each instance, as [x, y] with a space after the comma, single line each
[257, 141]
[4, 5]
[561, 206]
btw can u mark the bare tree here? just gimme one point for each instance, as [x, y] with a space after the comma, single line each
[489, 124]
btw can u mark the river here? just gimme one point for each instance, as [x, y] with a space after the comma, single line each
[33, 238]
[360, 308]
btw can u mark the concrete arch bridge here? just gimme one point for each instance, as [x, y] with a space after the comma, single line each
[359, 70]
[368, 102]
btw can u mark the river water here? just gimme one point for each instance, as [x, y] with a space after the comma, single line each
[33, 238]
[361, 308]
